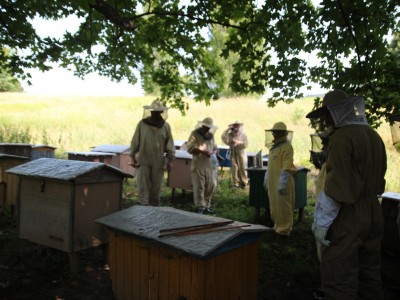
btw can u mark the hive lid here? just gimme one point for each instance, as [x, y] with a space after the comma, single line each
[391, 195]
[60, 169]
[146, 222]
[27, 145]
[91, 153]
[111, 148]
[4, 156]
[179, 143]
[183, 154]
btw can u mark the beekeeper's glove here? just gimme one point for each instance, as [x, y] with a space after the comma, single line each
[265, 183]
[320, 234]
[283, 182]
[326, 210]
[214, 160]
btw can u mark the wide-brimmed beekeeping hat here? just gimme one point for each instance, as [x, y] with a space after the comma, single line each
[156, 105]
[236, 123]
[332, 97]
[208, 122]
[278, 126]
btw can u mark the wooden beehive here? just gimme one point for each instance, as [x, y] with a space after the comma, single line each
[390, 210]
[27, 150]
[59, 200]
[122, 158]
[8, 182]
[214, 265]
[102, 157]
[180, 176]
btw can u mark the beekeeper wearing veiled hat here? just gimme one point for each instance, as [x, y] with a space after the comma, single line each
[348, 218]
[151, 141]
[236, 139]
[202, 146]
[280, 182]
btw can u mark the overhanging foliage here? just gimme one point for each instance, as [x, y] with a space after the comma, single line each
[167, 42]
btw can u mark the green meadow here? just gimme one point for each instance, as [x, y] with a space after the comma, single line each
[78, 123]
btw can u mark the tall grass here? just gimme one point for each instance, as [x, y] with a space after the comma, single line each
[78, 123]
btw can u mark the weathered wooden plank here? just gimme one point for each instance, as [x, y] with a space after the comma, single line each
[112, 259]
[224, 275]
[93, 201]
[154, 267]
[44, 214]
[210, 284]
[198, 274]
[164, 280]
[144, 271]
[238, 272]
[136, 269]
[119, 294]
[126, 257]
[251, 270]
[174, 275]
[185, 280]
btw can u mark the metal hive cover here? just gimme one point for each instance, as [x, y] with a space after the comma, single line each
[27, 145]
[391, 195]
[61, 169]
[183, 154]
[146, 222]
[5, 156]
[111, 148]
[91, 153]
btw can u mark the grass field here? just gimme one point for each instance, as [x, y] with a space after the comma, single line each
[78, 123]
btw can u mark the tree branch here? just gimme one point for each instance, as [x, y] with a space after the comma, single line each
[112, 14]
[349, 28]
[128, 23]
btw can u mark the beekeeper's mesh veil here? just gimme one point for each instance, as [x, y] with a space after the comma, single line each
[318, 149]
[269, 138]
[395, 130]
[212, 130]
[349, 112]
[147, 113]
[155, 106]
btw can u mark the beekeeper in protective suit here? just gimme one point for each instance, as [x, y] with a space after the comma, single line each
[204, 150]
[236, 139]
[279, 178]
[348, 217]
[151, 145]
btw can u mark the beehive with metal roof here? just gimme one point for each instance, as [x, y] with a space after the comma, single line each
[121, 160]
[93, 156]
[202, 257]
[59, 200]
[33, 151]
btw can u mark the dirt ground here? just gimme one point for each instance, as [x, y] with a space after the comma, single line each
[288, 269]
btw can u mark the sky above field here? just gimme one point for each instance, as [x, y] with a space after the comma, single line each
[59, 81]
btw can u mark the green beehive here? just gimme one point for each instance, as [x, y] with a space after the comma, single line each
[300, 182]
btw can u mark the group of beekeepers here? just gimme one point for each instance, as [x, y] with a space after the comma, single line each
[348, 224]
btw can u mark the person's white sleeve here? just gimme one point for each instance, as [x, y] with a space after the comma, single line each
[283, 182]
[214, 160]
[265, 183]
[326, 210]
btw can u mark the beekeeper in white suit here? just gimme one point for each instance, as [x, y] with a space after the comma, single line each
[151, 144]
[202, 146]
